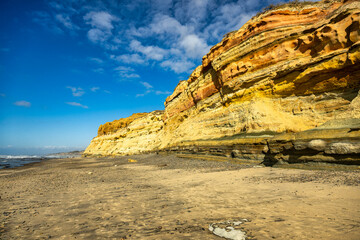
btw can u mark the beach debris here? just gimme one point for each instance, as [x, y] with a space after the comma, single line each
[90, 173]
[228, 229]
[237, 223]
[132, 160]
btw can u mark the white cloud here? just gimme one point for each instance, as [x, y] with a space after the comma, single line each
[146, 85]
[66, 21]
[76, 104]
[101, 23]
[47, 21]
[94, 89]
[150, 89]
[117, 40]
[130, 58]
[194, 46]
[100, 20]
[76, 92]
[193, 10]
[22, 103]
[143, 94]
[178, 66]
[164, 24]
[106, 91]
[130, 75]
[96, 60]
[126, 72]
[124, 69]
[250, 4]
[162, 92]
[183, 43]
[56, 5]
[151, 52]
[96, 35]
[229, 17]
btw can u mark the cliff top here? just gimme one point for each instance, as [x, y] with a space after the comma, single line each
[111, 127]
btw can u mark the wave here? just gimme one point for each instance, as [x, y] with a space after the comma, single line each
[37, 156]
[20, 156]
[11, 161]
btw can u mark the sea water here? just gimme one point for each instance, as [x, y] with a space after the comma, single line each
[12, 161]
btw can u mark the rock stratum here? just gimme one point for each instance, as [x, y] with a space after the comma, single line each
[284, 88]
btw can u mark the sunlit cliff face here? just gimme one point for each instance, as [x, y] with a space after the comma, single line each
[289, 69]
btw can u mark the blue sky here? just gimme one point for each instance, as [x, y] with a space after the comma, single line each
[68, 66]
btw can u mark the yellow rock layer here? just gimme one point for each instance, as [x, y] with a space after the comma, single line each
[140, 135]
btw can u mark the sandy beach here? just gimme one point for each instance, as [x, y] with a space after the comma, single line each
[167, 197]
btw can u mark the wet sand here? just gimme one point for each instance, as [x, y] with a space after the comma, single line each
[167, 197]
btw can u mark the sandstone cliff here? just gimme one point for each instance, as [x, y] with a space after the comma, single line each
[260, 91]
[138, 133]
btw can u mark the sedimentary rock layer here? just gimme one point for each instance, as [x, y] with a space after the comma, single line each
[286, 71]
[141, 134]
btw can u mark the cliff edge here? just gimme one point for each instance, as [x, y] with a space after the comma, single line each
[284, 88]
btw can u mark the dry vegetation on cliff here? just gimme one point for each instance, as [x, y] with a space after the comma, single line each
[111, 127]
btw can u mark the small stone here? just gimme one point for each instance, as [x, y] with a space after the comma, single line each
[317, 144]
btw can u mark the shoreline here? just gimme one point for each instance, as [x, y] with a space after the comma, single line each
[167, 197]
[14, 161]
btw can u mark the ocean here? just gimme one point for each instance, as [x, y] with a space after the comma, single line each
[12, 161]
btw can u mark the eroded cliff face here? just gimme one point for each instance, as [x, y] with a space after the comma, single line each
[287, 70]
[136, 134]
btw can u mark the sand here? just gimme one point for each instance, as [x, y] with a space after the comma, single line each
[167, 197]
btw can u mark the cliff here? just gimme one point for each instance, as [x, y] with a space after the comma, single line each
[138, 133]
[287, 81]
